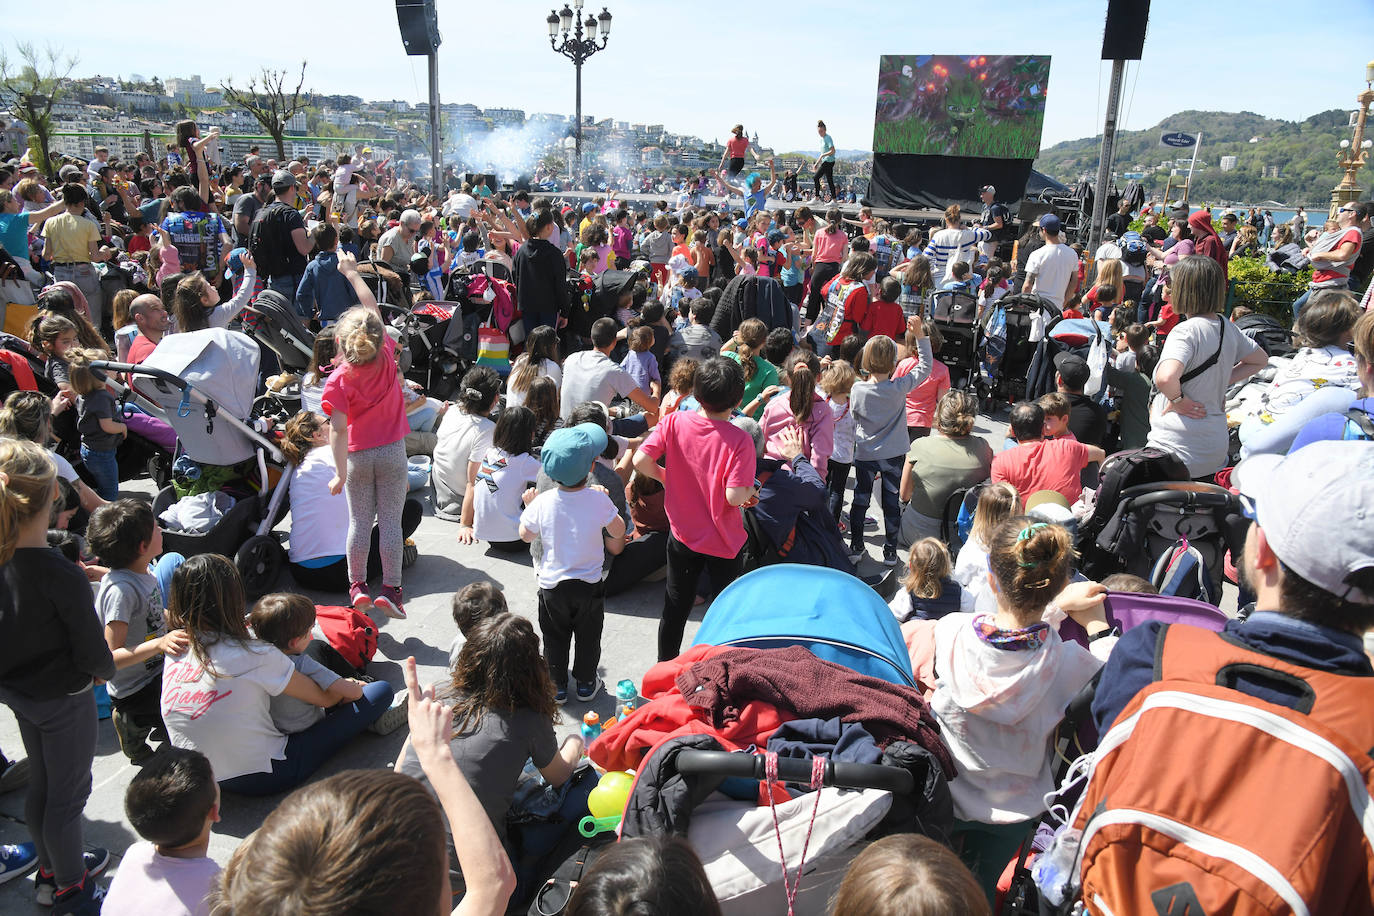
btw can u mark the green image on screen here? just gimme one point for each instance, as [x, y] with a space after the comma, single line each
[971, 106]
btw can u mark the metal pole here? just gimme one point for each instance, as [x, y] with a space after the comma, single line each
[577, 147]
[1188, 188]
[436, 165]
[1104, 164]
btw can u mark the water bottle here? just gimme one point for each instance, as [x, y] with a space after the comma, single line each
[626, 695]
[591, 727]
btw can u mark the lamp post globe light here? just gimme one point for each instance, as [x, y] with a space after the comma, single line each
[1354, 153]
[576, 40]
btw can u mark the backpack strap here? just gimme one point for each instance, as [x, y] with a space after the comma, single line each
[1210, 361]
[1341, 702]
[1361, 420]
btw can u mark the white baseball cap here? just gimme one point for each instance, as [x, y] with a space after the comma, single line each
[1316, 507]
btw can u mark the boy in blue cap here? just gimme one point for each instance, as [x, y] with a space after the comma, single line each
[572, 521]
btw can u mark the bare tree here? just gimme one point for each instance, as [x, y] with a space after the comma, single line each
[266, 99]
[31, 87]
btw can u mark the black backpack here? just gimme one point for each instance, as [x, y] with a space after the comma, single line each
[269, 242]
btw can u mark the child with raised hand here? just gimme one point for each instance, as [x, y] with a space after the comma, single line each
[367, 433]
[572, 522]
[101, 432]
[708, 473]
[508, 469]
[53, 653]
[928, 591]
[172, 803]
[127, 538]
[879, 404]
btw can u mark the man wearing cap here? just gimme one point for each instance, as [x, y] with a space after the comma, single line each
[1119, 223]
[574, 523]
[1309, 560]
[281, 245]
[1052, 269]
[995, 218]
[1087, 418]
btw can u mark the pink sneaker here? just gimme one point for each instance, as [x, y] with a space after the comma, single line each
[389, 602]
[359, 598]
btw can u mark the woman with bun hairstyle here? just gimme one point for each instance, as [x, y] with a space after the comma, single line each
[367, 430]
[1001, 682]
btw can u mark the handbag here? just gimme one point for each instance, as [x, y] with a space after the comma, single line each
[1097, 363]
[493, 349]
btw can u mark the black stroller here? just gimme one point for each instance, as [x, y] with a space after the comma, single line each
[274, 322]
[955, 313]
[1010, 352]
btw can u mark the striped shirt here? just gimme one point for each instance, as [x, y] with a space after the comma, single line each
[949, 246]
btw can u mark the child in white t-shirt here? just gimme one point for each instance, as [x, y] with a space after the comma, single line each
[572, 522]
[507, 470]
[836, 382]
[172, 803]
[345, 191]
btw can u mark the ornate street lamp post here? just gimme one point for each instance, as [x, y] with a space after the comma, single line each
[1354, 152]
[578, 42]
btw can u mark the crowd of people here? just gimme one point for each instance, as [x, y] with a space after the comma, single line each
[691, 388]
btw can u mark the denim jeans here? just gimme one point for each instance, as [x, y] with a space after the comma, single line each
[890, 470]
[307, 751]
[105, 469]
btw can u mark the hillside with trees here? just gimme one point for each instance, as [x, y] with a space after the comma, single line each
[1292, 162]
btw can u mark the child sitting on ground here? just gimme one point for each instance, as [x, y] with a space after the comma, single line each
[126, 537]
[572, 521]
[172, 804]
[507, 470]
[928, 591]
[996, 503]
[640, 362]
[1056, 407]
[473, 605]
[286, 620]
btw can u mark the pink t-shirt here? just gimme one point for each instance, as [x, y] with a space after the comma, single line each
[828, 247]
[818, 432]
[921, 401]
[702, 458]
[1046, 464]
[370, 396]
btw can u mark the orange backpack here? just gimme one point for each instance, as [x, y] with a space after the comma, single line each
[1202, 800]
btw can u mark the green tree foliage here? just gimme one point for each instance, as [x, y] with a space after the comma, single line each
[1304, 153]
[1253, 285]
[30, 87]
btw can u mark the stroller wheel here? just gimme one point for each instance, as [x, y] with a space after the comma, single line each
[259, 561]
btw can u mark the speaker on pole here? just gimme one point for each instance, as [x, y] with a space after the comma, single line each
[419, 21]
[1124, 38]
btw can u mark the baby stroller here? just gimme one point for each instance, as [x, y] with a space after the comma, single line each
[955, 313]
[277, 325]
[386, 284]
[702, 783]
[1010, 348]
[203, 383]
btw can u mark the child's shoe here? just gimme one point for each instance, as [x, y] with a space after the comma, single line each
[359, 598]
[586, 690]
[394, 717]
[82, 899]
[45, 886]
[561, 695]
[389, 602]
[890, 557]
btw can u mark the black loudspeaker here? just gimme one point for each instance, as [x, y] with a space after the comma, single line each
[419, 22]
[1124, 38]
[1032, 210]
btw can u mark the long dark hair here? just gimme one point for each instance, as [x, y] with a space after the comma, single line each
[514, 433]
[803, 368]
[207, 601]
[500, 667]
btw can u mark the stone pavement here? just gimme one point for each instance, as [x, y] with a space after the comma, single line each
[444, 566]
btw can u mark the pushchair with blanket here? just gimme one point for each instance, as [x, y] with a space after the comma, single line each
[1010, 344]
[955, 313]
[740, 688]
[203, 383]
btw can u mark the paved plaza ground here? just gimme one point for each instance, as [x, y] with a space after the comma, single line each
[628, 650]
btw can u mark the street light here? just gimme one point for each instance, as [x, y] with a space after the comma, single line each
[578, 42]
[1354, 153]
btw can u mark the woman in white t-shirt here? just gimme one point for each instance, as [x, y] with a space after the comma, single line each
[216, 695]
[539, 359]
[464, 435]
[507, 469]
[319, 519]
[1201, 358]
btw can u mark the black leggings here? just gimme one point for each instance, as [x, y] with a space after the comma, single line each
[334, 577]
[736, 166]
[827, 169]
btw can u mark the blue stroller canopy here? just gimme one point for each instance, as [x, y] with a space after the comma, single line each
[832, 613]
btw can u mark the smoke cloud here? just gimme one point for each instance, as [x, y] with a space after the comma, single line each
[507, 151]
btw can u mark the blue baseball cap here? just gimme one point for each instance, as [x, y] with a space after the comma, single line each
[1050, 223]
[588, 207]
[569, 453]
[236, 260]
[742, 223]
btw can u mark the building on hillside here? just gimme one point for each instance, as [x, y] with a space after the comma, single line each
[193, 93]
[341, 119]
[506, 117]
[1228, 163]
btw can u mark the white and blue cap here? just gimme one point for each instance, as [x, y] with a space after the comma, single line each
[1316, 507]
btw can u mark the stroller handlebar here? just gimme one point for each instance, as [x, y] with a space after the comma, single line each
[797, 770]
[133, 369]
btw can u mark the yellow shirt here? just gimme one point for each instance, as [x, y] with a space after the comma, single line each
[69, 238]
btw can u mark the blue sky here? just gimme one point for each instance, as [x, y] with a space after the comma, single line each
[700, 66]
